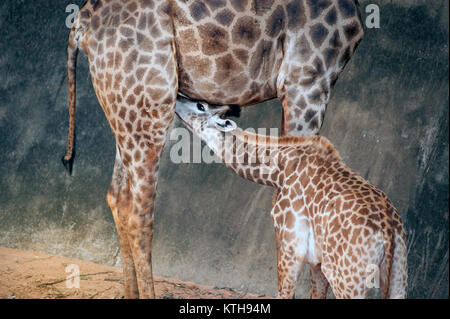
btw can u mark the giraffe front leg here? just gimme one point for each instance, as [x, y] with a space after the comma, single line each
[118, 199]
[308, 73]
[303, 106]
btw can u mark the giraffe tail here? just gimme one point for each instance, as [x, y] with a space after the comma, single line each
[389, 247]
[72, 53]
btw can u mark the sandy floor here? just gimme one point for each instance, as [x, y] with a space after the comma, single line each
[28, 274]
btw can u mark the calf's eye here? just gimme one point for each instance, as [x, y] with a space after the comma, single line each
[200, 107]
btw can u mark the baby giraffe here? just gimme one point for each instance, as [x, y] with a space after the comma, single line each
[325, 214]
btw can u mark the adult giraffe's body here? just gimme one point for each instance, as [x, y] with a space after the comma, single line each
[143, 52]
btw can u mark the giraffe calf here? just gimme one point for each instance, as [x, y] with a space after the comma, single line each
[325, 214]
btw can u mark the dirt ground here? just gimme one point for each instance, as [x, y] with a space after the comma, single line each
[28, 274]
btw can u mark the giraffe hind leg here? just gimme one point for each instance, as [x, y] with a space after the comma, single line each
[319, 283]
[137, 92]
[398, 284]
[291, 254]
[118, 199]
[349, 284]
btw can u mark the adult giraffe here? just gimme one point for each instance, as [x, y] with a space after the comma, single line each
[241, 52]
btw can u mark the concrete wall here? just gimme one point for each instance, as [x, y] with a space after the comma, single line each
[388, 117]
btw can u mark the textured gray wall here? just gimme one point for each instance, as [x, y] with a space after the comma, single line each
[388, 117]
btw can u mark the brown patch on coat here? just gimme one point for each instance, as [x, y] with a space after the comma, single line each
[214, 39]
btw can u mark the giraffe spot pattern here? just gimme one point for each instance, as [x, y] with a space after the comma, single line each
[214, 39]
[225, 17]
[233, 50]
[246, 31]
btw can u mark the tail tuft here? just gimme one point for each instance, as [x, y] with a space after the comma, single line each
[68, 163]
